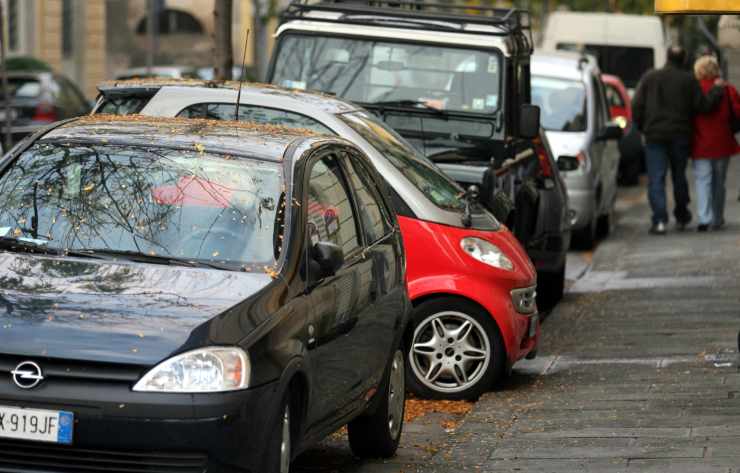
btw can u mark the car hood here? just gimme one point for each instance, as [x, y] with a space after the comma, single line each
[568, 143]
[117, 312]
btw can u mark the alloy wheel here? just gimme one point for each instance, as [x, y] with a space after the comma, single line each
[396, 395]
[285, 442]
[450, 352]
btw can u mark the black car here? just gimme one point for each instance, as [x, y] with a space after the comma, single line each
[38, 99]
[194, 296]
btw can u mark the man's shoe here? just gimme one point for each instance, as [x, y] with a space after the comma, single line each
[681, 226]
[702, 227]
[658, 229]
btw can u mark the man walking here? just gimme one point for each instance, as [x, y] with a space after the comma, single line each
[663, 109]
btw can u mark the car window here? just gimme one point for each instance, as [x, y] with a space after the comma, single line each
[613, 97]
[629, 63]
[150, 200]
[562, 103]
[23, 87]
[371, 208]
[329, 211]
[251, 113]
[124, 105]
[69, 100]
[422, 174]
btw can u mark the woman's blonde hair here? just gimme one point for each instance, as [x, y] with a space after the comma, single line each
[706, 67]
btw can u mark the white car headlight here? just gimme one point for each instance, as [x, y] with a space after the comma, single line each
[206, 370]
[486, 252]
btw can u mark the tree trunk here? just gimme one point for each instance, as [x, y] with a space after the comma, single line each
[259, 26]
[223, 49]
[7, 122]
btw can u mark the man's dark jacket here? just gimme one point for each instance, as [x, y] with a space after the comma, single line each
[667, 100]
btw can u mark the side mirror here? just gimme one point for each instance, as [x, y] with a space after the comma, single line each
[329, 258]
[611, 131]
[529, 121]
[568, 163]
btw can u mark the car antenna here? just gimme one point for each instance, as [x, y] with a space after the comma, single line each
[241, 78]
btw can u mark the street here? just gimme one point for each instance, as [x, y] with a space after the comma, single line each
[638, 369]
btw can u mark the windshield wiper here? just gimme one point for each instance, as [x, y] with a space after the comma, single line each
[406, 104]
[149, 258]
[26, 244]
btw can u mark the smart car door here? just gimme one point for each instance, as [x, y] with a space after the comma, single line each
[335, 296]
[382, 268]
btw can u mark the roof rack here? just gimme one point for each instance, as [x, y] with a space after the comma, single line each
[417, 14]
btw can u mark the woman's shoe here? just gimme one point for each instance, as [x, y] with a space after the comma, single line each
[702, 227]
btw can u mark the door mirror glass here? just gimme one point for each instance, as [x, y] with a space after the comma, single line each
[611, 131]
[328, 257]
[529, 121]
[567, 163]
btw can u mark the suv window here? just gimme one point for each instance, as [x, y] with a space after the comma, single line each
[251, 113]
[423, 175]
[329, 209]
[370, 206]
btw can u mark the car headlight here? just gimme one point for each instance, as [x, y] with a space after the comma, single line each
[206, 370]
[486, 252]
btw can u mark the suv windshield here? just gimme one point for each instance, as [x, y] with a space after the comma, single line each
[442, 191]
[562, 102]
[377, 71]
[144, 200]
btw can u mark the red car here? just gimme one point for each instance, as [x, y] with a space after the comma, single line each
[631, 149]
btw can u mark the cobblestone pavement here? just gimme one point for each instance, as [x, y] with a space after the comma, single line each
[638, 370]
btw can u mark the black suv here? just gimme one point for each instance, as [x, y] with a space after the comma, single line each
[454, 84]
[191, 295]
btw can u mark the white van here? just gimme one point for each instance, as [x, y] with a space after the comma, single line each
[625, 45]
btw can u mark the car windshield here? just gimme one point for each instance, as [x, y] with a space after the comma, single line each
[629, 63]
[422, 174]
[376, 71]
[151, 201]
[562, 101]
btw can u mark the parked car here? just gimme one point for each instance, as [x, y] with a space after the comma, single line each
[575, 115]
[189, 295]
[454, 84]
[626, 46]
[631, 148]
[466, 274]
[165, 72]
[40, 98]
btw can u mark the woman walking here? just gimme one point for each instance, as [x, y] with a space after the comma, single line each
[714, 144]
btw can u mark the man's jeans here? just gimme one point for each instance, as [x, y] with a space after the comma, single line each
[710, 176]
[658, 157]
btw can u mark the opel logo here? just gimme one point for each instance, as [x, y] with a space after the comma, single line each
[27, 375]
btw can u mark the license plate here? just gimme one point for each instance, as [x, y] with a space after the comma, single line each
[533, 325]
[36, 424]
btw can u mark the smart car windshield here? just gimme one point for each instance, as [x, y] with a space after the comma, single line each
[154, 201]
[562, 101]
[376, 72]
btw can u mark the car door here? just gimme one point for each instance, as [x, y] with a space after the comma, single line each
[338, 366]
[610, 153]
[383, 313]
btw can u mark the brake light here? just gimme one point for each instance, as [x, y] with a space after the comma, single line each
[45, 113]
[544, 160]
[582, 159]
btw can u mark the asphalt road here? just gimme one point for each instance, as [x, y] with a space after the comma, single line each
[638, 370]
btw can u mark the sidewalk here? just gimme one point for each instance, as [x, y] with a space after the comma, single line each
[638, 370]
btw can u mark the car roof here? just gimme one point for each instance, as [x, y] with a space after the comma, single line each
[266, 142]
[565, 64]
[318, 100]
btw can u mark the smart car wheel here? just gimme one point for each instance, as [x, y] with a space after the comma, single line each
[456, 351]
[378, 434]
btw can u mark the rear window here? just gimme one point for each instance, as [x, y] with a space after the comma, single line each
[23, 87]
[251, 113]
[122, 105]
[626, 62]
[562, 102]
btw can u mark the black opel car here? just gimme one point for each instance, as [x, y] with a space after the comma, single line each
[194, 296]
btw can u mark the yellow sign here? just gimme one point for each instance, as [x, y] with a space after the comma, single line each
[697, 6]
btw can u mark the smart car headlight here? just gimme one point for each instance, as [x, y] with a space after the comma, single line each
[486, 252]
[206, 370]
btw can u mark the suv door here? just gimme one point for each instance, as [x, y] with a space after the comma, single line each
[339, 367]
[382, 316]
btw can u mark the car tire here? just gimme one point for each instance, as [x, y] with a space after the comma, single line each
[377, 435]
[550, 288]
[585, 238]
[485, 350]
[279, 447]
